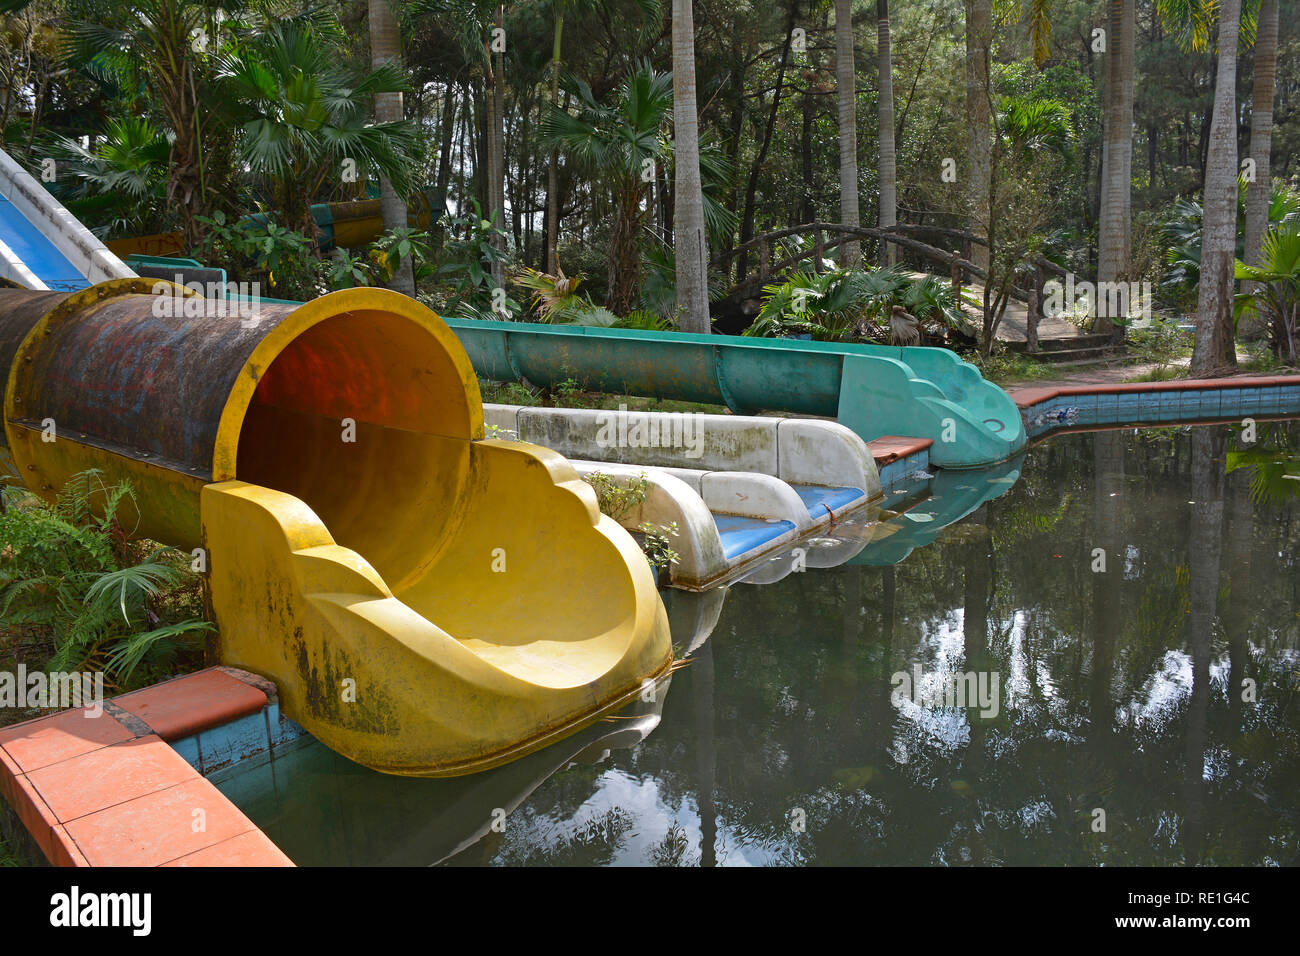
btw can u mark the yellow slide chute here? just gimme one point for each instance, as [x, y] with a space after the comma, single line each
[428, 602]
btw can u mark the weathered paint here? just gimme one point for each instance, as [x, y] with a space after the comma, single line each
[343, 569]
[874, 390]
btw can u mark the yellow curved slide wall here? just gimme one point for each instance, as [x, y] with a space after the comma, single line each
[428, 602]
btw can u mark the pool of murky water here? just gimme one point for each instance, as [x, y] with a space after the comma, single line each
[1087, 656]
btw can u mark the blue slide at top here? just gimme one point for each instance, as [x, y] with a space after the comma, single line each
[37, 252]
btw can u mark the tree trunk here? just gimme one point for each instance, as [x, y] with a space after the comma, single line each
[497, 142]
[444, 156]
[551, 261]
[1204, 563]
[979, 51]
[807, 207]
[1261, 147]
[888, 159]
[1114, 229]
[385, 47]
[1214, 351]
[846, 92]
[689, 241]
[751, 187]
[625, 251]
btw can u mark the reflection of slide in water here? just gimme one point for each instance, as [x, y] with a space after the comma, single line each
[911, 520]
[318, 807]
[885, 532]
[429, 603]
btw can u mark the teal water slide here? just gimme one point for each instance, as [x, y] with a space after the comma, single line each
[875, 390]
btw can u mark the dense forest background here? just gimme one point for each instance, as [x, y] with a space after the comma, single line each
[544, 136]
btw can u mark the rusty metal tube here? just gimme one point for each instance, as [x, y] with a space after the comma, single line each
[157, 390]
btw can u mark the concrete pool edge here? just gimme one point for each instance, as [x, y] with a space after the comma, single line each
[128, 787]
[1047, 409]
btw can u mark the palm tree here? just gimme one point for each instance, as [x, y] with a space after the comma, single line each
[150, 44]
[302, 114]
[614, 142]
[496, 141]
[386, 49]
[979, 114]
[690, 243]
[550, 259]
[1114, 227]
[1030, 131]
[1261, 133]
[1214, 348]
[122, 179]
[846, 90]
[1275, 286]
[690, 246]
[888, 160]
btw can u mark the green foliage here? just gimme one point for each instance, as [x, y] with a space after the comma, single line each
[258, 249]
[1279, 291]
[1033, 124]
[659, 288]
[287, 264]
[615, 139]
[74, 586]
[506, 393]
[656, 544]
[121, 181]
[348, 271]
[1160, 342]
[617, 496]
[1180, 229]
[305, 116]
[470, 248]
[1003, 366]
[844, 305]
[391, 249]
[646, 322]
[7, 857]
[1275, 475]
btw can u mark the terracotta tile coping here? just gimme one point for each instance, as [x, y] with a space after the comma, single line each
[210, 698]
[887, 449]
[108, 790]
[1028, 397]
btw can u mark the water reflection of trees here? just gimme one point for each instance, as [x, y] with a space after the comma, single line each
[1122, 690]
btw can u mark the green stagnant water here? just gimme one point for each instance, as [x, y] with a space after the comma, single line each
[787, 738]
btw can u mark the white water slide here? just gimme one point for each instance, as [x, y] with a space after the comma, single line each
[42, 245]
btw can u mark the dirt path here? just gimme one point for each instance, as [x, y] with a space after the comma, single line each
[1111, 373]
[1015, 318]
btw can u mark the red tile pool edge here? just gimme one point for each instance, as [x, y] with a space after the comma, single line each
[1028, 397]
[115, 814]
[889, 448]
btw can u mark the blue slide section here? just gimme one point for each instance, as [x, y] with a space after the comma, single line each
[36, 251]
[741, 534]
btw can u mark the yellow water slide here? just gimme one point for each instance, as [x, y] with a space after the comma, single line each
[429, 602]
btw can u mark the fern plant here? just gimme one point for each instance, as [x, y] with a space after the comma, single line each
[80, 591]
